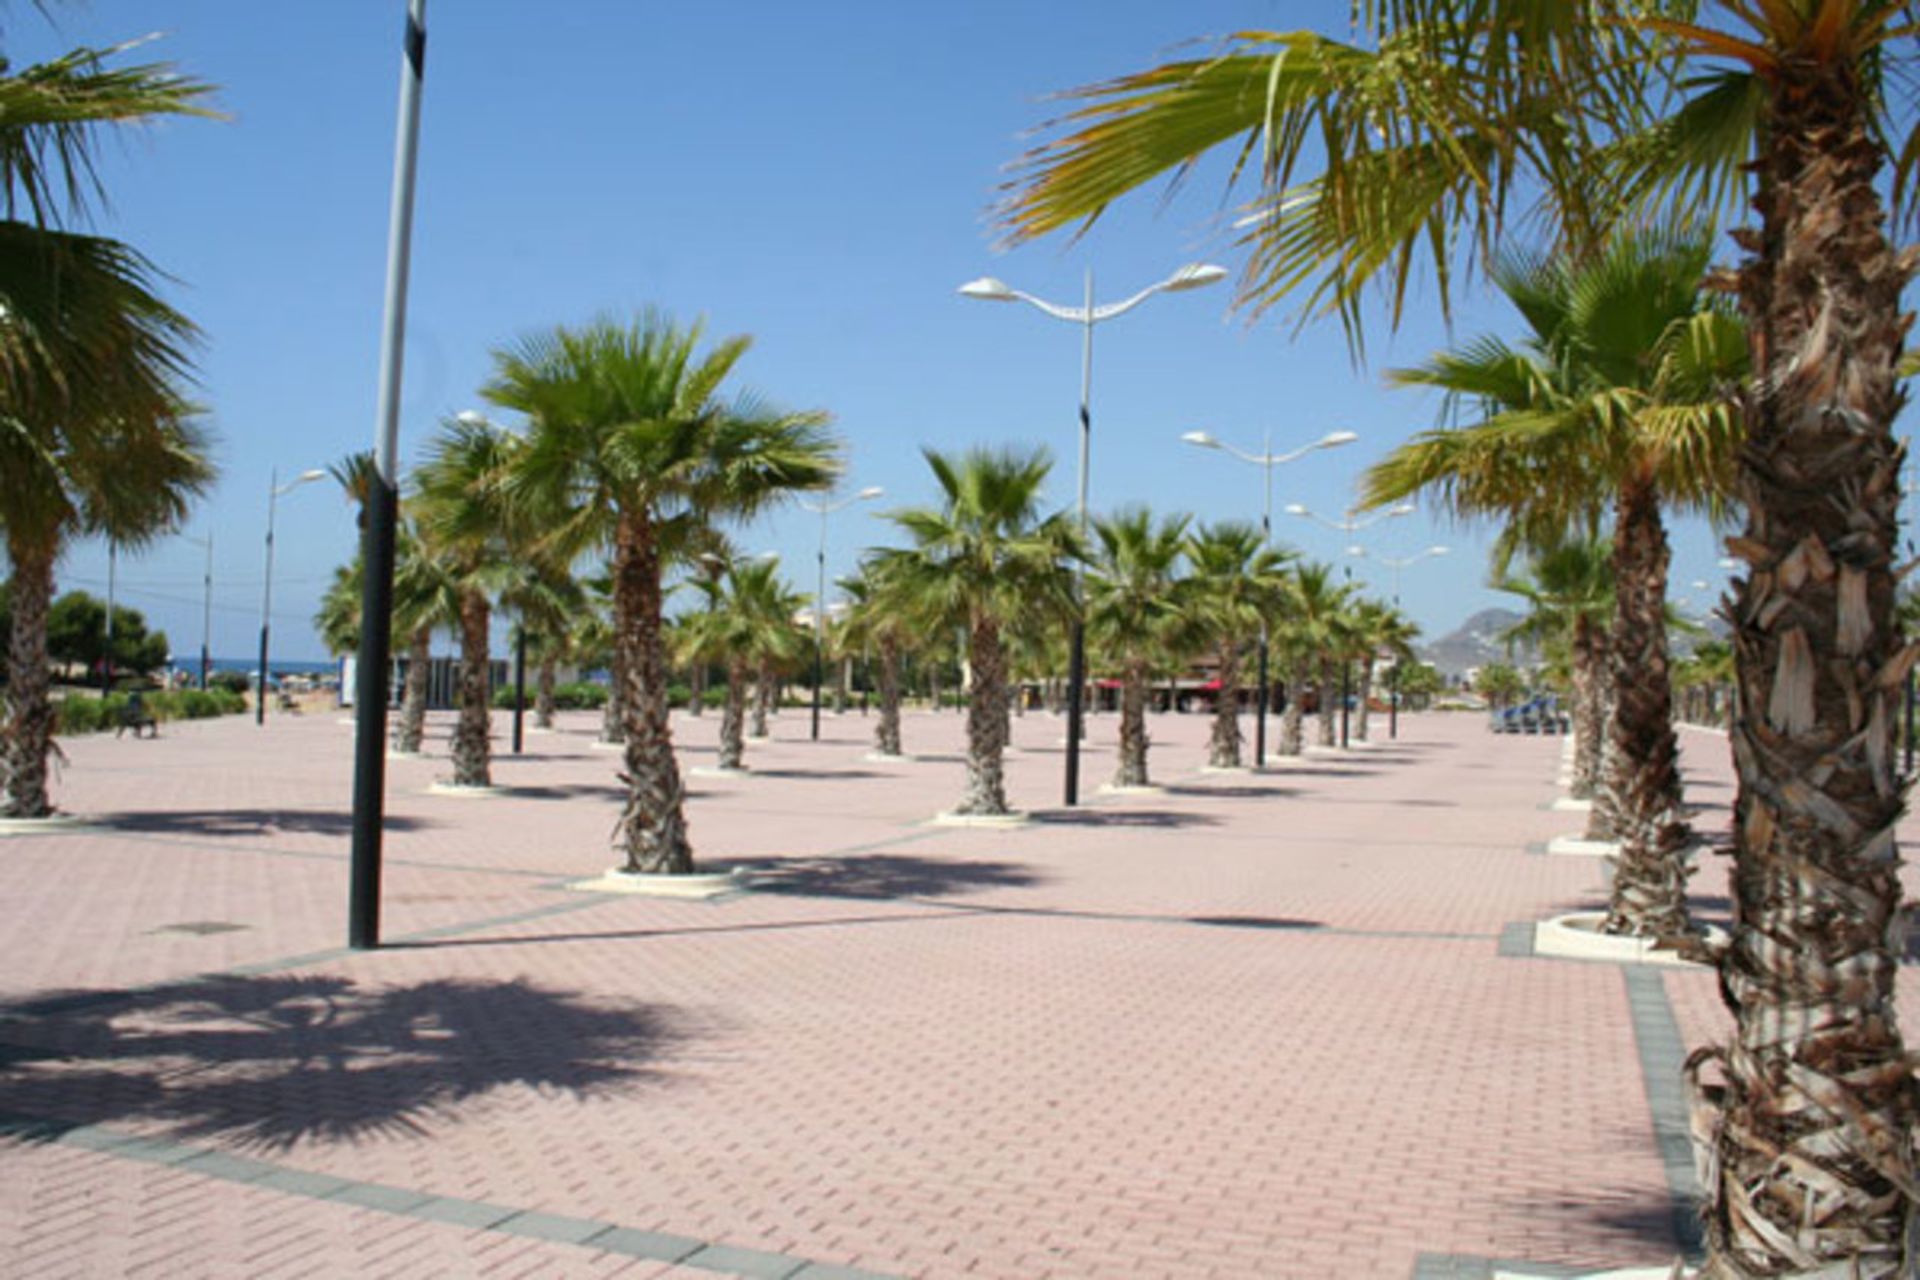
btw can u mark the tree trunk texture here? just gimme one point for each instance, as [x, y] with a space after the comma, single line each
[762, 699]
[1131, 768]
[1223, 747]
[1603, 819]
[986, 721]
[410, 729]
[697, 687]
[1809, 1143]
[1588, 722]
[1650, 872]
[733, 718]
[841, 685]
[653, 826]
[27, 738]
[886, 730]
[1329, 694]
[613, 717]
[1366, 695]
[473, 731]
[1291, 736]
[543, 683]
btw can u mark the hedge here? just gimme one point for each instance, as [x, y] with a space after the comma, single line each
[582, 695]
[80, 713]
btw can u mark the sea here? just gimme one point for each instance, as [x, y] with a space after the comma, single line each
[190, 663]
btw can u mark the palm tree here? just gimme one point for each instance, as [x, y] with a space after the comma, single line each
[1135, 612]
[630, 447]
[1305, 634]
[878, 622]
[1622, 389]
[1380, 630]
[981, 559]
[464, 521]
[1235, 583]
[749, 604]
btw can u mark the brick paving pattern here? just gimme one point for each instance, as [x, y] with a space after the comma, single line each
[1256, 1025]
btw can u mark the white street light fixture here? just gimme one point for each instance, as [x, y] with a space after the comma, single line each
[1193, 275]
[823, 510]
[1266, 460]
[274, 490]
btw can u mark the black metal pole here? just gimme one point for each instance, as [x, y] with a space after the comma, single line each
[1076, 676]
[260, 702]
[1259, 707]
[383, 509]
[519, 688]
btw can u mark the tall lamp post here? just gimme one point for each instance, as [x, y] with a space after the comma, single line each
[1194, 275]
[823, 510]
[206, 607]
[1349, 524]
[274, 490]
[1393, 691]
[1266, 460]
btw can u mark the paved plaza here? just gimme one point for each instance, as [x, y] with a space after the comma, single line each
[1279, 1024]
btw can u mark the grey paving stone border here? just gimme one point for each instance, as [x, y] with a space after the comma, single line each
[403, 1202]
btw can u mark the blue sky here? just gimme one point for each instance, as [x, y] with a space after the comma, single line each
[818, 176]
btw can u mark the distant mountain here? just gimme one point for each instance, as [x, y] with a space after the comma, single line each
[1476, 642]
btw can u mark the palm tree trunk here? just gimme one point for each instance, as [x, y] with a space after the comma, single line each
[886, 730]
[27, 739]
[1813, 1130]
[1223, 747]
[1329, 694]
[1603, 819]
[733, 718]
[613, 717]
[653, 825]
[472, 732]
[986, 721]
[1132, 767]
[762, 699]
[1587, 720]
[543, 693]
[1650, 872]
[1366, 696]
[696, 686]
[1295, 713]
[410, 727]
[845, 678]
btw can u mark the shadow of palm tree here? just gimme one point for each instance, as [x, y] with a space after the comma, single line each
[1155, 818]
[886, 875]
[264, 1062]
[1230, 790]
[245, 822]
[567, 790]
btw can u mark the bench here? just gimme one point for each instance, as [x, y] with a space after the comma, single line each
[135, 716]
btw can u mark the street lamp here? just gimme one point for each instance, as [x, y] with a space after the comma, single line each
[1195, 275]
[1393, 691]
[1349, 524]
[823, 510]
[206, 606]
[274, 490]
[1266, 460]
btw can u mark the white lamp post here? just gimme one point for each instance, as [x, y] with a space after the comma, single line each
[274, 490]
[823, 510]
[206, 607]
[1194, 275]
[1397, 564]
[1266, 460]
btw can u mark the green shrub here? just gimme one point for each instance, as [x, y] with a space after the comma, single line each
[581, 695]
[84, 713]
[233, 681]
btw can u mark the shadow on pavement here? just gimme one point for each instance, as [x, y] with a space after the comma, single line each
[1164, 819]
[566, 791]
[245, 822]
[887, 875]
[266, 1062]
[1641, 1227]
[1231, 791]
[814, 775]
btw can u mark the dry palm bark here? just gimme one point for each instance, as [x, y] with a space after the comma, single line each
[986, 791]
[733, 717]
[1223, 746]
[1131, 770]
[1291, 717]
[653, 827]
[1808, 1148]
[1589, 708]
[1329, 694]
[762, 698]
[410, 727]
[886, 729]
[696, 687]
[1365, 695]
[472, 736]
[543, 694]
[613, 716]
[26, 734]
[1649, 896]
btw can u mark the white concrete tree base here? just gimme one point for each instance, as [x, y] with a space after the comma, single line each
[461, 792]
[1228, 769]
[1568, 804]
[405, 755]
[715, 771]
[51, 824]
[1577, 936]
[1003, 821]
[1580, 846]
[598, 745]
[882, 757]
[699, 884]
[1146, 789]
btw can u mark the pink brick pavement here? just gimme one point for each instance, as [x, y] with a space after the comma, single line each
[1254, 1026]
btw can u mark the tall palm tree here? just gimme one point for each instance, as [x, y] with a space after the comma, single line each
[1492, 94]
[1380, 631]
[981, 559]
[1235, 583]
[631, 447]
[878, 621]
[1135, 615]
[464, 521]
[1622, 389]
[749, 613]
[1305, 635]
